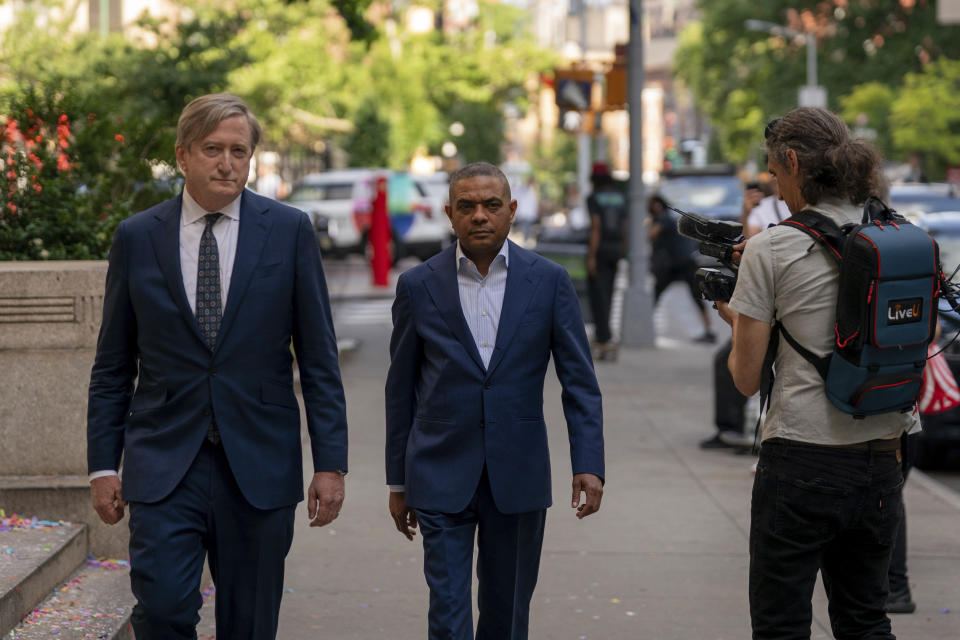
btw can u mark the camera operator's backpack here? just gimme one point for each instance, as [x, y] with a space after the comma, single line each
[886, 309]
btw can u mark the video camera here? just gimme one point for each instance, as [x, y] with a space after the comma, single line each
[716, 239]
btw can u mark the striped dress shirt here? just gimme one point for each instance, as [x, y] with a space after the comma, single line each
[481, 298]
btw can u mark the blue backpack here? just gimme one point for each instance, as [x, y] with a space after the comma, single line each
[889, 283]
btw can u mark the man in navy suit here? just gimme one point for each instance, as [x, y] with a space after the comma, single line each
[192, 387]
[466, 453]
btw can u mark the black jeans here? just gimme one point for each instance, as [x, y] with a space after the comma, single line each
[822, 508]
[898, 562]
[601, 292]
[728, 402]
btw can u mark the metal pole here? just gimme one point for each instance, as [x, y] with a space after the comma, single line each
[583, 139]
[811, 60]
[638, 303]
[104, 18]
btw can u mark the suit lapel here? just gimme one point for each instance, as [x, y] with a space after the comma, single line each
[445, 292]
[254, 230]
[166, 246]
[522, 281]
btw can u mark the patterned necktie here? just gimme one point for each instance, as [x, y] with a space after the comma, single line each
[208, 306]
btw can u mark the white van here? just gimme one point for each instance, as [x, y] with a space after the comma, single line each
[340, 205]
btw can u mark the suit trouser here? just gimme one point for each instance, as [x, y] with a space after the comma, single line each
[507, 567]
[207, 514]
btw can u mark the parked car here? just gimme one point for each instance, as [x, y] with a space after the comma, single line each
[340, 205]
[336, 201]
[941, 431]
[712, 190]
[909, 198]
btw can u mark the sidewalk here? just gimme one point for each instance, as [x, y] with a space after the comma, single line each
[665, 558]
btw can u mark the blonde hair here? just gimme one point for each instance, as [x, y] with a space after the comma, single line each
[205, 113]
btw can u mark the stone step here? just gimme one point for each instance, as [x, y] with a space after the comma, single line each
[35, 557]
[94, 602]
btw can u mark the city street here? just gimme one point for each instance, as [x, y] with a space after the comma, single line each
[665, 558]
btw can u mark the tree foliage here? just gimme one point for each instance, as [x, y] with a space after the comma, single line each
[318, 73]
[742, 78]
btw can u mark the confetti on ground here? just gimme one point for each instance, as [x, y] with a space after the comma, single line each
[615, 600]
[944, 610]
[209, 592]
[15, 522]
[630, 614]
[107, 563]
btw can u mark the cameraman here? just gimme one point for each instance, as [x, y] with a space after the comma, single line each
[827, 493]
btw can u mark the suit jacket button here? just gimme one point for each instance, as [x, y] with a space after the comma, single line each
[487, 385]
[481, 424]
[206, 411]
[213, 371]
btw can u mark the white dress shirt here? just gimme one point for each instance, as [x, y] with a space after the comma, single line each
[225, 230]
[481, 298]
[481, 301]
[192, 223]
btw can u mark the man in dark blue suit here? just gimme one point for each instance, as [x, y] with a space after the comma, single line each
[192, 387]
[466, 453]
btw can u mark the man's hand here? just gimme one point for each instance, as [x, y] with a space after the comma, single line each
[591, 485]
[403, 516]
[325, 497]
[106, 498]
[591, 265]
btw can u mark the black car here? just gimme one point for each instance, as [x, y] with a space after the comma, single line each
[714, 191]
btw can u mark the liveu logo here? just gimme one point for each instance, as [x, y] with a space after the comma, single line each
[905, 311]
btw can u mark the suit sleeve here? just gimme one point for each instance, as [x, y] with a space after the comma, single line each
[315, 345]
[405, 358]
[114, 366]
[582, 405]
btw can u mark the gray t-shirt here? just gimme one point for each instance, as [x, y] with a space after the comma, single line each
[786, 275]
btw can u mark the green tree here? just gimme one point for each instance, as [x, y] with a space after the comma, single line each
[925, 116]
[735, 73]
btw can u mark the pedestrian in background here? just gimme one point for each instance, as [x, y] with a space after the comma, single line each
[671, 260]
[474, 328]
[528, 208]
[607, 207]
[827, 491]
[192, 386]
[761, 208]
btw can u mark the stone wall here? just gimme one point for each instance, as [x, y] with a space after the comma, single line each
[49, 319]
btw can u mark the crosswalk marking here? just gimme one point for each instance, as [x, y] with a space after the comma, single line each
[363, 312]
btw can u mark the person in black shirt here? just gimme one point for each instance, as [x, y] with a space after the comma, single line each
[607, 206]
[671, 259]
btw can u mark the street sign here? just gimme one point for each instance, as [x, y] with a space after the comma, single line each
[813, 96]
[573, 94]
[616, 97]
[573, 88]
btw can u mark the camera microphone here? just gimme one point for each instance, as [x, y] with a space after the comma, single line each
[700, 227]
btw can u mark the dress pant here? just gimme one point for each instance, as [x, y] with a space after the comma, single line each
[207, 515]
[823, 508]
[507, 567]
